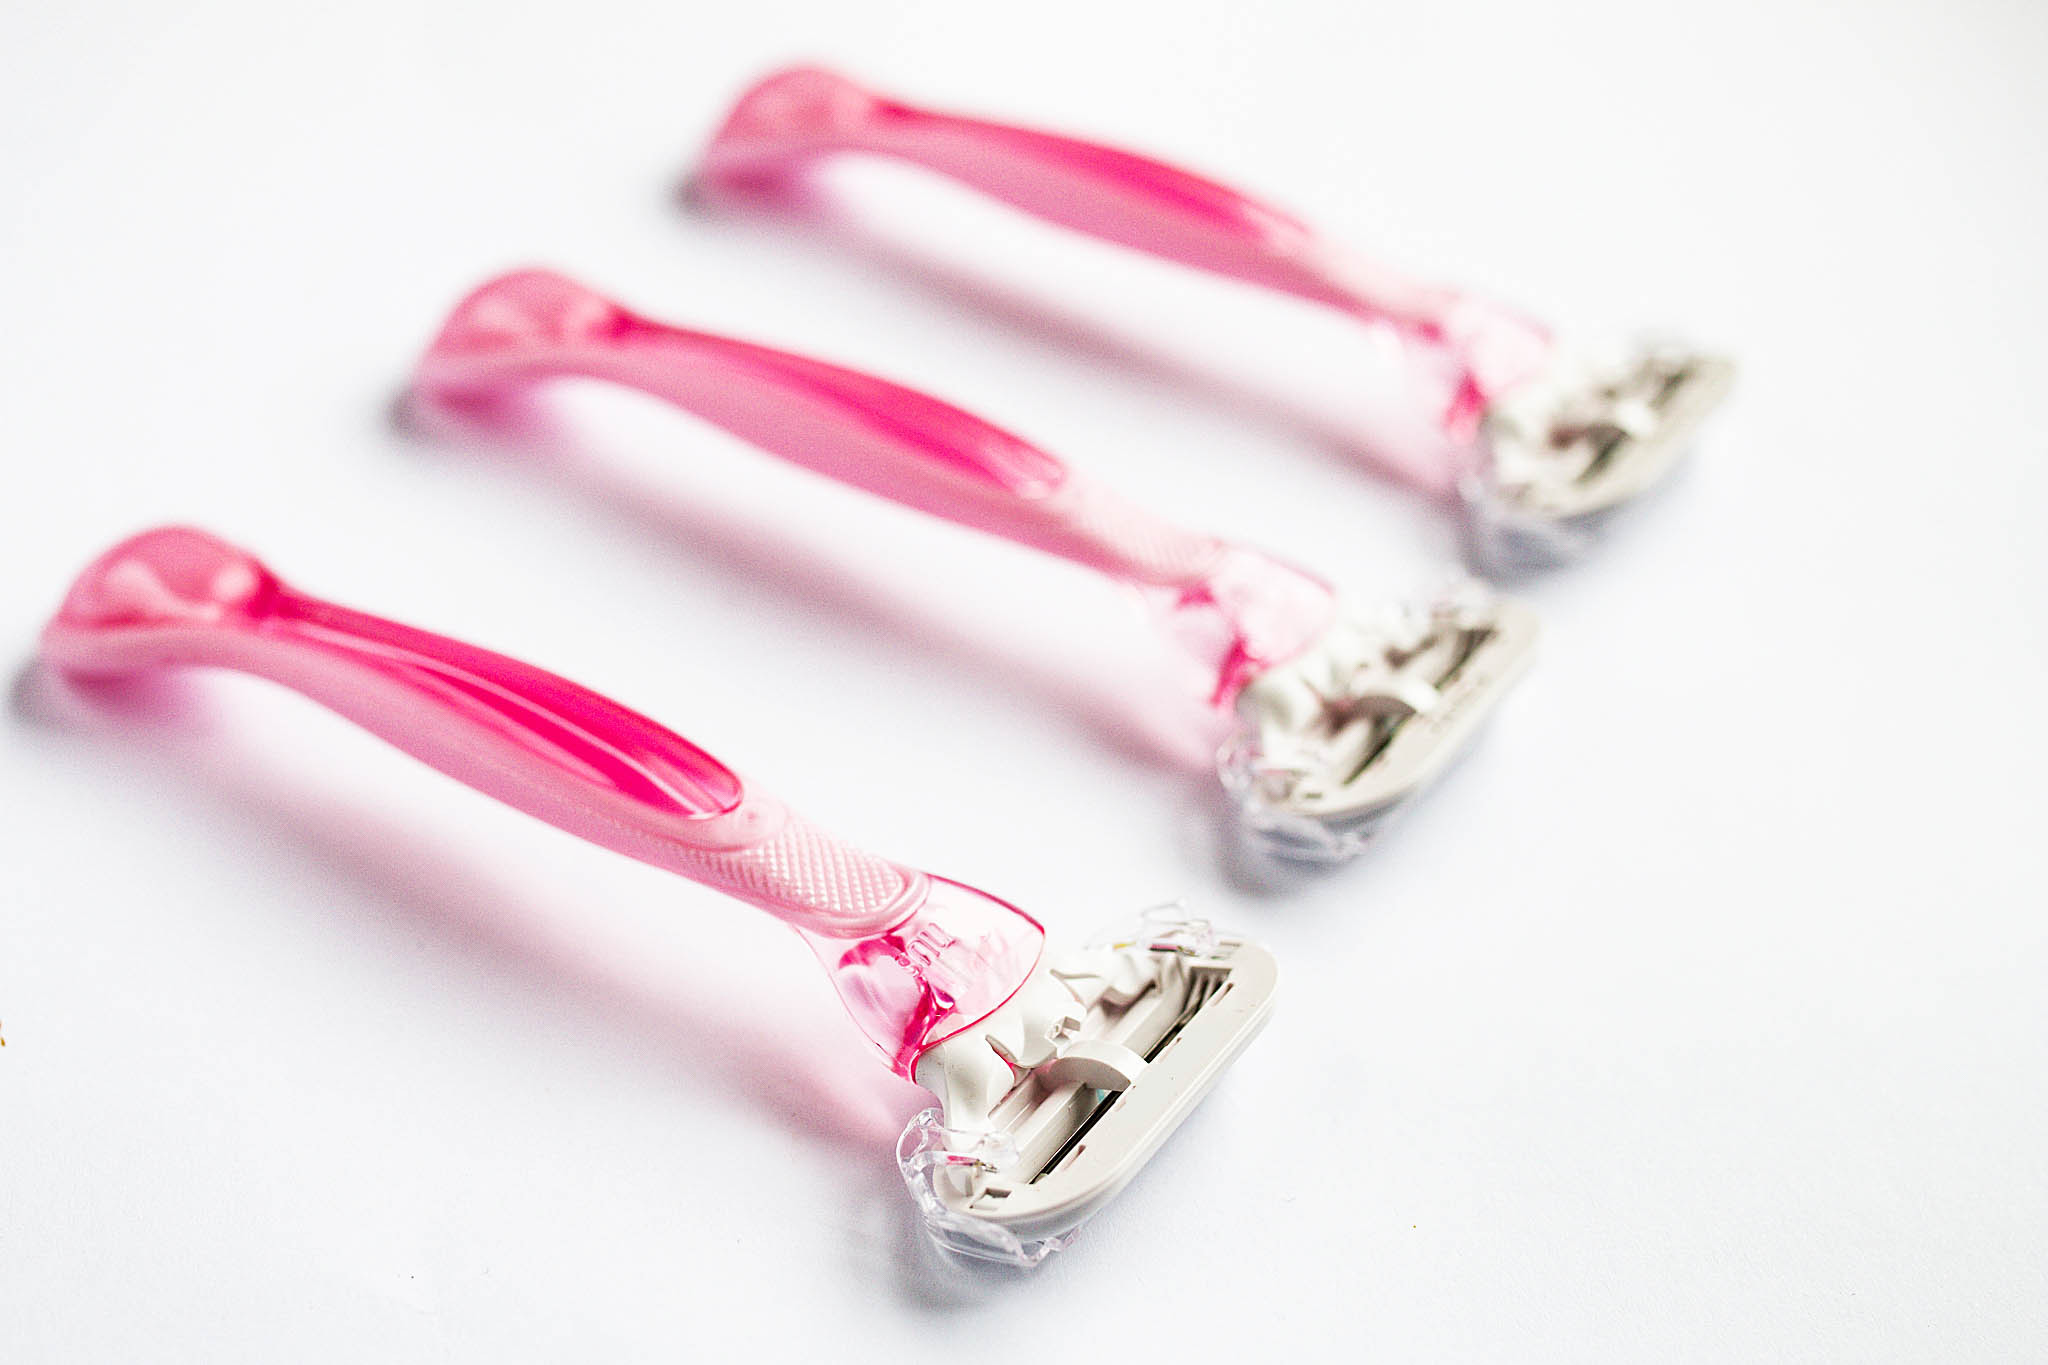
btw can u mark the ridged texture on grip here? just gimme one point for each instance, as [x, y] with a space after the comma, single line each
[835, 881]
[913, 957]
[1150, 550]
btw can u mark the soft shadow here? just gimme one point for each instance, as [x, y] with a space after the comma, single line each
[1384, 439]
[889, 1246]
[521, 432]
[155, 735]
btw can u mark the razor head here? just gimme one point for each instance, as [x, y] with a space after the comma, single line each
[1121, 1042]
[1562, 451]
[1332, 742]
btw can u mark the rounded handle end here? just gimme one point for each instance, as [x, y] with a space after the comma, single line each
[169, 576]
[504, 333]
[790, 112]
[525, 308]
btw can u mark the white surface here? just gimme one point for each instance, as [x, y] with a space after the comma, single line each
[1700, 1016]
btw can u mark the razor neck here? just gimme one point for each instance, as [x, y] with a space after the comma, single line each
[1247, 614]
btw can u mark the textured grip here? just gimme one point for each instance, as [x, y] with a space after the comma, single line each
[915, 958]
[846, 891]
[528, 737]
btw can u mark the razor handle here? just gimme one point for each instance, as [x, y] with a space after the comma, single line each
[879, 436]
[914, 957]
[801, 115]
[868, 432]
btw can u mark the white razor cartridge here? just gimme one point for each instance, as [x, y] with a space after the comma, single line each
[1561, 451]
[1127, 1037]
[1331, 742]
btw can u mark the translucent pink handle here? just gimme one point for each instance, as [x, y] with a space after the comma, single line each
[864, 431]
[915, 957]
[524, 328]
[798, 115]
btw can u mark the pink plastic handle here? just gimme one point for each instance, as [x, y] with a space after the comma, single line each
[799, 115]
[915, 957]
[535, 325]
[1243, 611]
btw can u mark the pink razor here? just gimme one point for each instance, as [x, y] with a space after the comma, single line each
[1056, 1079]
[1549, 441]
[1342, 717]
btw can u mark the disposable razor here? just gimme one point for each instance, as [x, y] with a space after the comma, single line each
[1547, 441]
[1340, 716]
[1056, 1077]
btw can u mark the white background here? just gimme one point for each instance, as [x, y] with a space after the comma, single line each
[1699, 1016]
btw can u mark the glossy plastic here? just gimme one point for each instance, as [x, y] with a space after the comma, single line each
[915, 958]
[1243, 611]
[797, 116]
